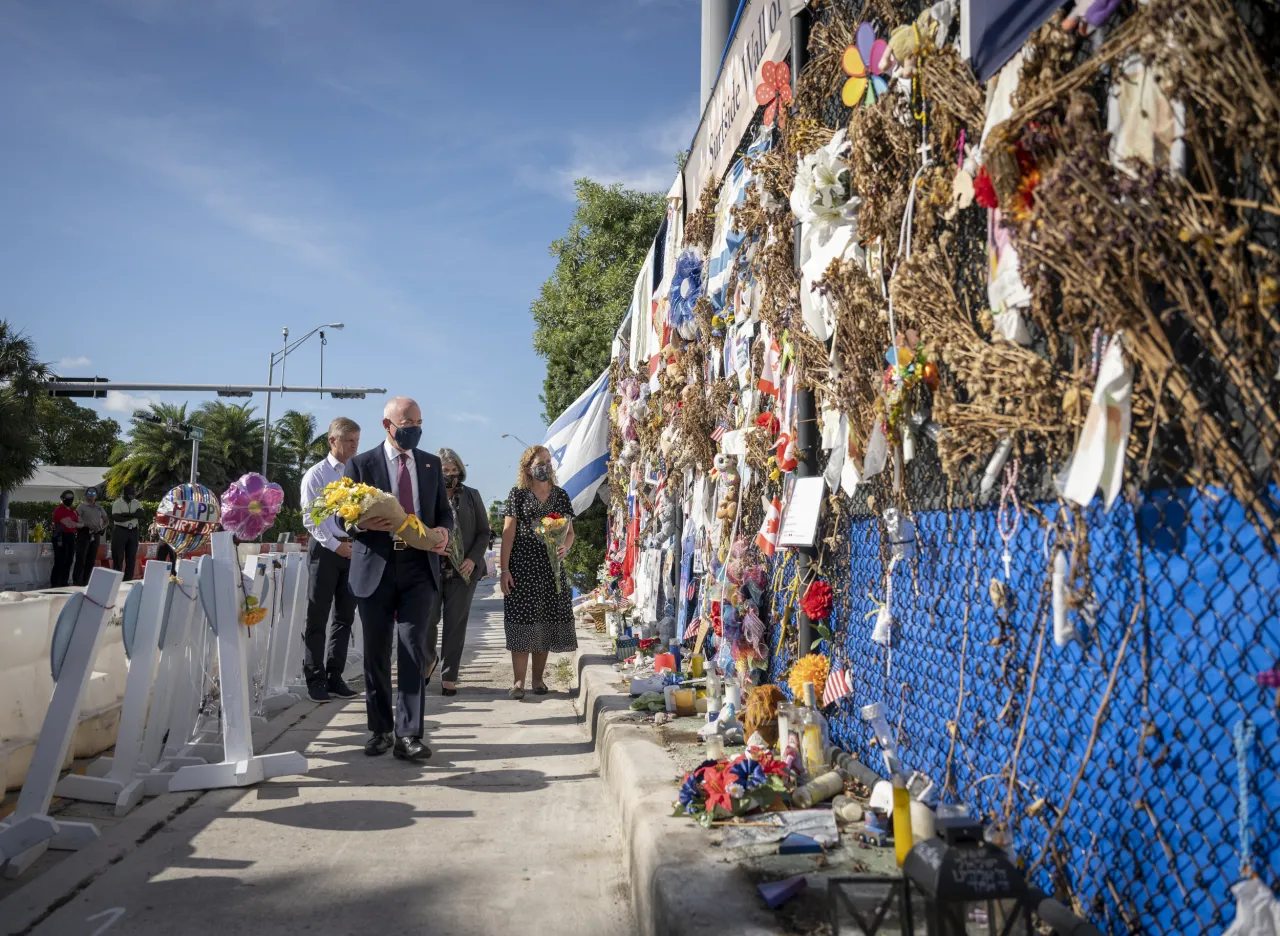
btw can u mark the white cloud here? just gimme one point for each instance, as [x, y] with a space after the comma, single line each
[230, 183]
[469, 418]
[642, 159]
[72, 364]
[119, 402]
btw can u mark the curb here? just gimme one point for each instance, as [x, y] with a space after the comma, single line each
[678, 885]
[29, 905]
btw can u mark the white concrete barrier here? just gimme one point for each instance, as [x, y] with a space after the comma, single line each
[25, 565]
[26, 684]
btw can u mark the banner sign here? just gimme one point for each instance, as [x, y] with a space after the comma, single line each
[763, 34]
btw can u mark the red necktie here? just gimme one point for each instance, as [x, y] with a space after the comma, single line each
[404, 486]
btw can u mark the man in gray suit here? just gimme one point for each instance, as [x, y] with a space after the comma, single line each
[394, 584]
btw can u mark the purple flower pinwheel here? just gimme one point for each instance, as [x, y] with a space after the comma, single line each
[250, 505]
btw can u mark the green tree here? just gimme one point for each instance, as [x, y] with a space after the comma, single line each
[496, 507]
[585, 298]
[578, 312]
[295, 447]
[21, 375]
[71, 434]
[154, 458]
[232, 444]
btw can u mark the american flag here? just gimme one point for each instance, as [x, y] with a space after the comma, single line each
[838, 686]
[718, 432]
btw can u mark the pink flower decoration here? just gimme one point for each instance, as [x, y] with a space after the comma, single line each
[250, 505]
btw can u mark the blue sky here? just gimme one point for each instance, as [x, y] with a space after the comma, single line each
[181, 178]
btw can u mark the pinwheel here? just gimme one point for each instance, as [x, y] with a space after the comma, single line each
[861, 62]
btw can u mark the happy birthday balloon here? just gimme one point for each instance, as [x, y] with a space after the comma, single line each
[187, 517]
[250, 505]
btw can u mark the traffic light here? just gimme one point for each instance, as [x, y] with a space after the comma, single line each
[86, 393]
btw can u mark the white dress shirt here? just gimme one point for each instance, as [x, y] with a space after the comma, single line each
[329, 531]
[393, 468]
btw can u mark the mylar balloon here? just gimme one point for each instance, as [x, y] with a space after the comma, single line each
[250, 505]
[187, 516]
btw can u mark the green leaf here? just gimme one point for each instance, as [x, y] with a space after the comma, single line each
[816, 644]
[824, 631]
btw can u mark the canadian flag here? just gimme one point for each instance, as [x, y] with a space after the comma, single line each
[770, 371]
[767, 538]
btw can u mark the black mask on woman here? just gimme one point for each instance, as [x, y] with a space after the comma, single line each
[541, 472]
[450, 481]
[68, 501]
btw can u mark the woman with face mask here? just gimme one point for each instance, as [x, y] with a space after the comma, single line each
[462, 567]
[66, 523]
[538, 616]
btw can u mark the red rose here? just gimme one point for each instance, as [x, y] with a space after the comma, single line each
[554, 516]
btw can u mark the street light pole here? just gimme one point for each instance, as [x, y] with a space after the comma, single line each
[512, 435]
[282, 355]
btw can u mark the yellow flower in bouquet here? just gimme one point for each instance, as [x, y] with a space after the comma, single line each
[354, 502]
[553, 529]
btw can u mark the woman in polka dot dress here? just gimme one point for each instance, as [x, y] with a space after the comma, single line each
[538, 619]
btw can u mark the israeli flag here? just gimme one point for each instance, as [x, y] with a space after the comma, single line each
[579, 444]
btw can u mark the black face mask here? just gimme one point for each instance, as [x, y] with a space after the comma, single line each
[451, 481]
[541, 472]
[68, 501]
[407, 437]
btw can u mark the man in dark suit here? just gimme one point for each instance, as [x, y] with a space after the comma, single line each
[395, 584]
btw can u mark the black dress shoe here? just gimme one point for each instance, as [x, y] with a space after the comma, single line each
[316, 691]
[337, 686]
[411, 749]
[379, 743]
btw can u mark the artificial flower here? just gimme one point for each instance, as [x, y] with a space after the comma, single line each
[984, 190]
[817, 600]
[714, 783]
[748, 774]
[812, 667]
[822, 194]
[690, 794]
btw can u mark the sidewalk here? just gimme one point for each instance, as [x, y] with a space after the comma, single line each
[506, 828]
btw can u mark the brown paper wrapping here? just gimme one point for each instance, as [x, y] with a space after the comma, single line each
[391, 510]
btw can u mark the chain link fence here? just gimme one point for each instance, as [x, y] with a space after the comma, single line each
[1134, 766]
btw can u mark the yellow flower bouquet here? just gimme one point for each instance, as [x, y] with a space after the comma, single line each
[553, 529]
[355, 503]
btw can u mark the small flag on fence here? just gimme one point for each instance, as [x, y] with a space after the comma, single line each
[692, 630]
[718, 432]
[771, 372]
[838, 686]
[767, 538]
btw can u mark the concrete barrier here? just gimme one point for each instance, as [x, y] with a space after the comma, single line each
[26, 683]
[25, 565]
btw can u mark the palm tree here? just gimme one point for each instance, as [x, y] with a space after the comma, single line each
[20, 378]
[154, 458]
[297, 447]
[232, 441]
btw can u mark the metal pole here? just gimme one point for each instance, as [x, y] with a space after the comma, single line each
[195, 459]
[806, 405]
[323, 341]
[266, 421]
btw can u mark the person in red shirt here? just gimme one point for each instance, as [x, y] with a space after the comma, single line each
[66, 523]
